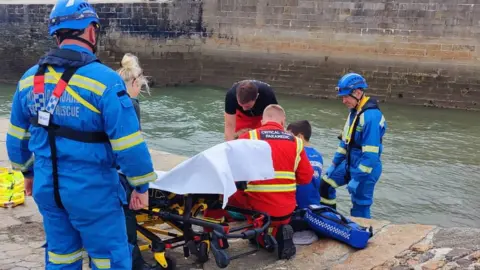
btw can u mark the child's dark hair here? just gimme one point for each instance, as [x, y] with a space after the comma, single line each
[301, 127]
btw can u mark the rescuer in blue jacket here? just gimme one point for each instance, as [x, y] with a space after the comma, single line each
[356, 162]
[73, 114]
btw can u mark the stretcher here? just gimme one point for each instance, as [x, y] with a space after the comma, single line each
[181, 213]
[206, 181]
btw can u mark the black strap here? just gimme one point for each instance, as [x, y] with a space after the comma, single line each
[54, 130]
[53, 150]
[76, 35]
[75, 135]
[282, 218]
[66, 76]
[41, 70]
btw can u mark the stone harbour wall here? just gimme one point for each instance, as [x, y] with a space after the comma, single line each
[161, 34]
[414, 52]
[423, 52]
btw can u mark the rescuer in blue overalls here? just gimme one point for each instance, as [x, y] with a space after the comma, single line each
[73, 114]
[356, 162]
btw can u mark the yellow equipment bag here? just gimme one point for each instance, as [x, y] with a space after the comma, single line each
[12, 190]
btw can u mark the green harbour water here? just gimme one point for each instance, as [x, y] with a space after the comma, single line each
[430, 159]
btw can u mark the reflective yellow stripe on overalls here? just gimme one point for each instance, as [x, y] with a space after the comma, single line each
[290, 175]
[53, 77]
[347, 131]
[362, 103]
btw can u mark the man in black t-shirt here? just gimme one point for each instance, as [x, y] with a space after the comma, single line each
[244, 105]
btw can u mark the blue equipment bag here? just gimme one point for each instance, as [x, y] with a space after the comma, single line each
[328, 222]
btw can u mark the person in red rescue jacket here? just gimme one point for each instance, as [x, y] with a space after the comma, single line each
[276, 197]
[244, 105]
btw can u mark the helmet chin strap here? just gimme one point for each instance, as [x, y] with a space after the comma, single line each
[357, 99]
[76, 36]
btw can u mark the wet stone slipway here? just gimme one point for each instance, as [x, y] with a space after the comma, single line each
[394, 246]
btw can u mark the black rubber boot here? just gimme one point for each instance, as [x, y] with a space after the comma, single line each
[137, 260]
[298, 222]
[286, 247]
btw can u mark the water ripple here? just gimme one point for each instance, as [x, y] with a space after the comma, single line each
[430, 159]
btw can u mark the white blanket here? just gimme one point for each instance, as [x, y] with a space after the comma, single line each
[215, 170]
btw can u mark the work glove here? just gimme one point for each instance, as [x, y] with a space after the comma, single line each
[352, 186]
[330, 170]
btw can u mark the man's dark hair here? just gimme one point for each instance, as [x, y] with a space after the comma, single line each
[246, 91]
[301, 127]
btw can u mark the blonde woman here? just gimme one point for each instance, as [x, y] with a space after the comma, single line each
[132, 75]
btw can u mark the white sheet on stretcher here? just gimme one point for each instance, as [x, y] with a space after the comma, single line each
[215, 170]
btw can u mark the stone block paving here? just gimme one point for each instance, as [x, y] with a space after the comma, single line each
[22, 238]
[443, 248]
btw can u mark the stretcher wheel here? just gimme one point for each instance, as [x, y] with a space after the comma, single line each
[202, 252]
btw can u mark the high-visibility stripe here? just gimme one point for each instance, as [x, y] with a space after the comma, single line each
[285, 175]
[65, 258]
[370, 148]
[364, 168]
[127, 141]
[74, 94]
[348, 136]
[18, 132]
[328, 201]
[299, 150]
[101, 263]
[86, 83]
[272, 188]
[361, 122]
[316, 164]
[382, 122]
[329, 181]
[253, 134]
[25, 166]
[341, 150]
[143, 179]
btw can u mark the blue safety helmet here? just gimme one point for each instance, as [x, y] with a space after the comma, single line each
[350, 82]
[71, 14]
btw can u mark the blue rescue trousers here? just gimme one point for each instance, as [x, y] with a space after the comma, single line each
[93, 219]
[362, 198]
